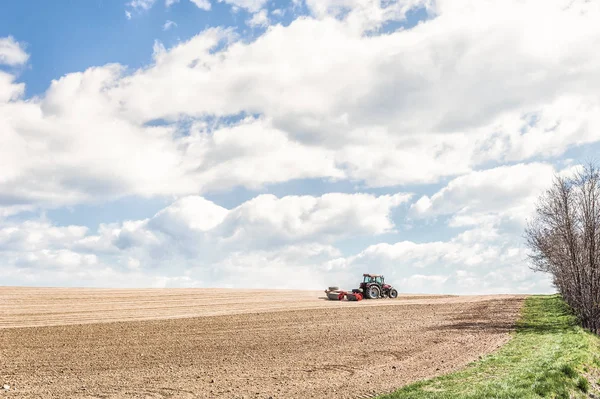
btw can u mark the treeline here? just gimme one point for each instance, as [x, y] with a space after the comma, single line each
[564, 239]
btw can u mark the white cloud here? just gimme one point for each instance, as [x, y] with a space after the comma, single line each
[477, 261]
[423, 283]
[168, 25]
[202, 4]
[193, 238]
[38, 236]
[547, 130]
[70, 135]
[6, 211]
[378, 108]
[195, 213]
[369, 109]
[193, 225]
[11, 52]
[141, 4]
[163, 162]
[263, 223]
[194, 242]
[269, 219]
[325, 97]
[249, 5]
[229, 156]
[8, 89]
[61, 260]
[259, 18]
[489, 195]
[365, 14]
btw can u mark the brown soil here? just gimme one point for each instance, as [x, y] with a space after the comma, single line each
[59, 343]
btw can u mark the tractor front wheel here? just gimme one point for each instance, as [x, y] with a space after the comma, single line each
[373, 292]
[393, 293]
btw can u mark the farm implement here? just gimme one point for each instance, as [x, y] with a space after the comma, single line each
[373, 286]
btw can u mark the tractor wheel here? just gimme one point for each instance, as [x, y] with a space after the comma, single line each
[373, 292]
[334, 288]
[393, 293]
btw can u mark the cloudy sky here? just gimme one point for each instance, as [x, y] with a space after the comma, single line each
[288, 144]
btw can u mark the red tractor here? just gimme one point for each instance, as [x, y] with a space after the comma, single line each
[374, 286]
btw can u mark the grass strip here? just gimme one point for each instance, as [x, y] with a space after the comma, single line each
[549, 356]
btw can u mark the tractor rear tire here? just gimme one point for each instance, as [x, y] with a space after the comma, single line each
[334, 288]
[393, 293]
[373, 292]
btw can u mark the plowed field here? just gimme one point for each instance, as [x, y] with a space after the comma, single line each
[184, 343]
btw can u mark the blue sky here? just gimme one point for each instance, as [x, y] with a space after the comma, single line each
[77, 35]
[247, 140]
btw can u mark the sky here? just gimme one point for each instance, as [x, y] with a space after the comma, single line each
[288, 144]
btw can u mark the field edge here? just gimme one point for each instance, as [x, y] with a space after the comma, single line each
[549, 355]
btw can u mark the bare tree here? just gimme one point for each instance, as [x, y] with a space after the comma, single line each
[564, 239]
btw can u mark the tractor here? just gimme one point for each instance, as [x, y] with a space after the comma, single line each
[373, 286]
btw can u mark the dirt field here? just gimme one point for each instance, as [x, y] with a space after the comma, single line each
[90, 343]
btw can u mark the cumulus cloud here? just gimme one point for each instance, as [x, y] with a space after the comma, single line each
[259, 19]
[9, 90]
[365, 14]
[12, 52]
[468, 97]
[547, 130]
[169, 24]
[141, 4]
[195, 242]
[194, 237]
[265, 222]
[372, 108]
[38, 235]
[96, 152]
[249, 5]
[480, 260]
[489, 190]
[505, 195]
[202, 4]
[298, 218]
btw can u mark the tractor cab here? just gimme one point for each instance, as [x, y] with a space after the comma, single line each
[373, 279]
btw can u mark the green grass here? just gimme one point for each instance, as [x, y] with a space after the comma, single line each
[549, 356]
